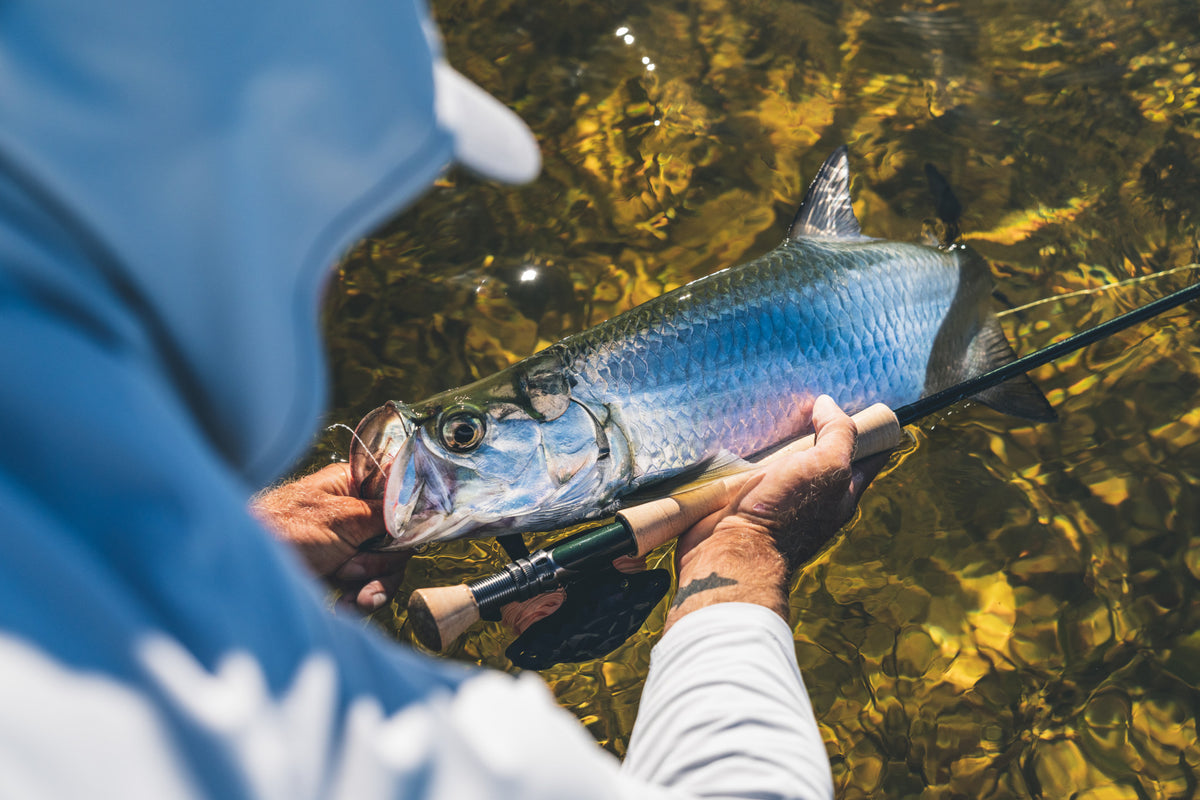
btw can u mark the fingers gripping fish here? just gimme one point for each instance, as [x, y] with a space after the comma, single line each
[728, 364]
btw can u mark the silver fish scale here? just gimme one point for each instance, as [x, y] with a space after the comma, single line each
[734, 361]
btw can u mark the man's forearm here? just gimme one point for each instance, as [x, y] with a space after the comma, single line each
[731, 566]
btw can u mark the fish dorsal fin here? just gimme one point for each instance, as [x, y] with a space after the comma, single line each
[826, 209]
[946, 204]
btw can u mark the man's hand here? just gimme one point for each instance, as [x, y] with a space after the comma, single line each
[320, 516]
[780, 519]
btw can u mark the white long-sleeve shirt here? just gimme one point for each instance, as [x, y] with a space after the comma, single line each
[725, 712]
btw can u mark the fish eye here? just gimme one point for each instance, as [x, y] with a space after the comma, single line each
[461, 429]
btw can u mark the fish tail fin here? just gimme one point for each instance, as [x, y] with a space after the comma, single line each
[1019, 395]
[971, 343]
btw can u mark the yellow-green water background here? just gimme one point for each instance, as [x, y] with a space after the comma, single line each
[1015, 611]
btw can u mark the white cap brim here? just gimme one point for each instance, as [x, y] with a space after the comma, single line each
[489, 139]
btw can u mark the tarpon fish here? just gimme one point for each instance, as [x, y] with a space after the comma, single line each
[726, 366]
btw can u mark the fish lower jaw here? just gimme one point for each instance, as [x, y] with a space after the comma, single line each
[414, 514]
[433, 527]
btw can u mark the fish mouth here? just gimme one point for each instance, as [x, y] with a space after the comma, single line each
[388, 463]
[380, 435]
[419, 500]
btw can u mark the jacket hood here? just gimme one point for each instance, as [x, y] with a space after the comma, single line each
[179, 177]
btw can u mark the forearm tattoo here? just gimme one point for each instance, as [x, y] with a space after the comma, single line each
[713, 581]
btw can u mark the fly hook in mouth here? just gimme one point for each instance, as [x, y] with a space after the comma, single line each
[377, 439]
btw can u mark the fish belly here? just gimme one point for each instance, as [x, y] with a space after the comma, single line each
[734, 361]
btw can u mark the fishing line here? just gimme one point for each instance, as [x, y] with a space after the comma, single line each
[1098, 289]
[376, 544]
[356, 437]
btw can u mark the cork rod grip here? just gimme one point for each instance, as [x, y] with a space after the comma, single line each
[659, 521]
[441, 614]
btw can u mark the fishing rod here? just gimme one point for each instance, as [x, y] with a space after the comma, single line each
[440, 615]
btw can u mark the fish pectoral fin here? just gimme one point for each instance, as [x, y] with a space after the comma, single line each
[600, 612]
[719, 466]
[1018, 396]
[722, 465]
[514, 545]
[826, 209]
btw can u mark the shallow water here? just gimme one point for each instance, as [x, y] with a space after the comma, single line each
[1014, 613]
